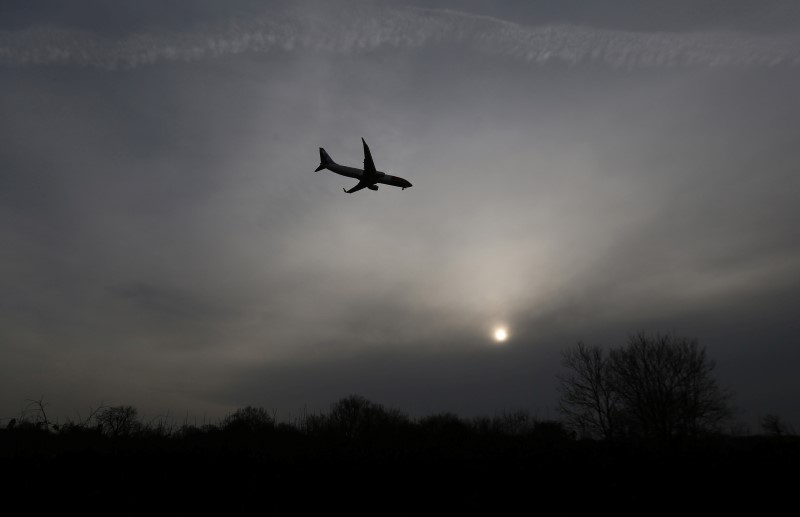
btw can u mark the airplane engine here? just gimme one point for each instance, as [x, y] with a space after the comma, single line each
[373, 187]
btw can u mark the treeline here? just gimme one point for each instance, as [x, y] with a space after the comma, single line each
[361, 454]
[353, 423]
[642, 429]
[655, 391]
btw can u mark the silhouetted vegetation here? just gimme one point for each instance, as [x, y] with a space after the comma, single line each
[616, 450]
[656, 388]
[118, 421]
[249, 420]
[774, 425]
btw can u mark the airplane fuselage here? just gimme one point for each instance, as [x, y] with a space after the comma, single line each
[380, 177]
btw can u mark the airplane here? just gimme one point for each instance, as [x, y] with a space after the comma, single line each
[367, 178]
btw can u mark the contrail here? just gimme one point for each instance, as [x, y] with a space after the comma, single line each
[350, 31]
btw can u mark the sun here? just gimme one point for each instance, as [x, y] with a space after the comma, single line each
[500, 334]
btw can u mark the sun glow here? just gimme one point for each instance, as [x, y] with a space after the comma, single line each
[500, 334]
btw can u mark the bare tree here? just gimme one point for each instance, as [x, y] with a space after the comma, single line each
[249, 419]
[667, 388]
[118, 420]
[355, 416]
[774, 425]
[37, 407]
[655, 387]
[588, 399]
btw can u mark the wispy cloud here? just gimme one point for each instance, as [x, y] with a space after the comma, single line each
[347, 31]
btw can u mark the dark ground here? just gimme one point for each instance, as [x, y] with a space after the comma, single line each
[446, 465]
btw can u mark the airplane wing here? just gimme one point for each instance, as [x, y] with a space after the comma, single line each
[361, 184]
[369, 165]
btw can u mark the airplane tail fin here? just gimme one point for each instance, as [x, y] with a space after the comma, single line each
[324, 160]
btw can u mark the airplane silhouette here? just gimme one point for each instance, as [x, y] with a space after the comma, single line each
[367, 178]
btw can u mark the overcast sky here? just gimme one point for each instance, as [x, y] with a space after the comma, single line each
[581, 171]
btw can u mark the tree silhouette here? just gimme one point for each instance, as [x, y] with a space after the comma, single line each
[655, 387]
[38, 408]
[118, 420]
[355, 416]
[588, 400]
[249, 420]
[774, 425]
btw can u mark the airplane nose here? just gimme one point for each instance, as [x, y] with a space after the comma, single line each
[408, 184]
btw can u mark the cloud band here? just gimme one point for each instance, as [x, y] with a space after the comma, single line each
[359, 31]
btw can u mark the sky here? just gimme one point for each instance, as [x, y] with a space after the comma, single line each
[582, 171]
